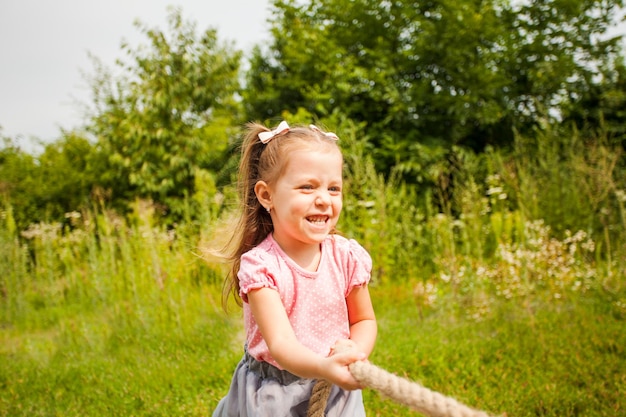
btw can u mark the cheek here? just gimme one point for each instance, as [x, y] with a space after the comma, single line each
[338, 204]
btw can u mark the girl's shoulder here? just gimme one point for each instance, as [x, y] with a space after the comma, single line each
[352, 259]
[348, 248]
[263, 251]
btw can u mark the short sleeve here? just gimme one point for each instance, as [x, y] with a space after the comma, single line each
[254, 273]
[359, 266]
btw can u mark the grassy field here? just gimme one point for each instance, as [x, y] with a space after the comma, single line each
[527, 358]
[112, 316]
[566, 358]
[128, 322]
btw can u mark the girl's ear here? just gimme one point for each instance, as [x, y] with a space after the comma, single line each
[263, 194]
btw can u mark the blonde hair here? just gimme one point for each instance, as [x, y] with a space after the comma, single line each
[266, 162]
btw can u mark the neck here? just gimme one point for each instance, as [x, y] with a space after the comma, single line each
[311, 261]
[306, 256]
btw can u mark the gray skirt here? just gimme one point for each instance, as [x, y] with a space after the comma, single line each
[259, 389]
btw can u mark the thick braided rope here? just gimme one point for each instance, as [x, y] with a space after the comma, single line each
[403, 391]
[319, 397]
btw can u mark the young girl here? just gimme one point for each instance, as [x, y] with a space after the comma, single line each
[304, 288]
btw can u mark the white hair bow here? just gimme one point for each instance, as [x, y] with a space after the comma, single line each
[283, 127]
[329, 135]
[267, 136]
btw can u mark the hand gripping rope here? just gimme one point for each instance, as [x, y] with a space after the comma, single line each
[403, 391]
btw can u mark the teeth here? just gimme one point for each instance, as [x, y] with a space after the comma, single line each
[317, 219]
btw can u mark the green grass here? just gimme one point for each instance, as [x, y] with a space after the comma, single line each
[490, 306]
[111, 364]
[549, 359]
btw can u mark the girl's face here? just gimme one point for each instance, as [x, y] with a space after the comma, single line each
[306, 199]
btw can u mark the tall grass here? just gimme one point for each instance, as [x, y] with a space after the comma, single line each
[108, 319]
[550, 214]
[512, 299]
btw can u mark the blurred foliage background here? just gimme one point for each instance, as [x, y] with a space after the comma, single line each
[484, 171]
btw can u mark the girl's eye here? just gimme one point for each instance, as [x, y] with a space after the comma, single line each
[307, 187]
[335, 189]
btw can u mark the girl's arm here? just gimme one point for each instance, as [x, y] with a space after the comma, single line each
[363, 328]
[269, 314]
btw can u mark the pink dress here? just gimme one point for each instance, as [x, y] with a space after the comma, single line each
[315, 303]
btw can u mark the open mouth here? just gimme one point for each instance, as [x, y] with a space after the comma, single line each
[317, 220]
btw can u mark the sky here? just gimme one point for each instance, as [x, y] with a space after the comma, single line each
[45, 47]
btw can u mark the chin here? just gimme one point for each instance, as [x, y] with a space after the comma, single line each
[318, 237]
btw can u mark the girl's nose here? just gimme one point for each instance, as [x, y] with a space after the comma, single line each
[323, 199]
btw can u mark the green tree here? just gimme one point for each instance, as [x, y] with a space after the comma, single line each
[18, 179]
[47, 186]
[601, 110]
[66, 176]
[170, 114]
[427, 76]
